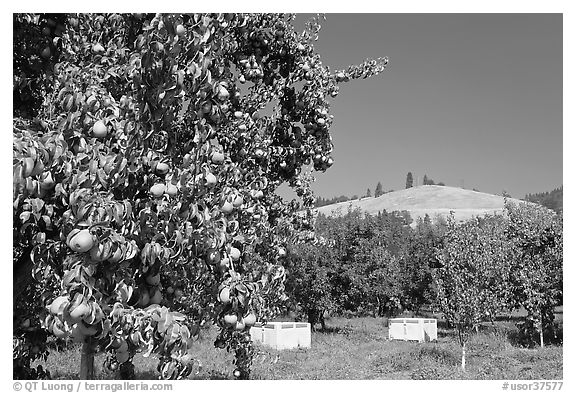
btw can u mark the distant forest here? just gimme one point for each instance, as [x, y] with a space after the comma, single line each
[550, 199]
[329, 201]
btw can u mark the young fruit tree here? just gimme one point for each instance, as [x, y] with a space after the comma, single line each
[147, 150]
[537, 237]
[472, 280]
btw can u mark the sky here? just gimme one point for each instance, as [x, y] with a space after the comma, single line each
[471, 100]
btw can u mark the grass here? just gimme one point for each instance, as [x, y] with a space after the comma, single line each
[359, 349]
[431, 200]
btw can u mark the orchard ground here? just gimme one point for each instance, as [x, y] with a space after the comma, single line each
[358, 348]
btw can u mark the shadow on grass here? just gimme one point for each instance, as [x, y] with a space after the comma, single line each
[346, 331]
[509, 318]
[552, 336]
[147, 375]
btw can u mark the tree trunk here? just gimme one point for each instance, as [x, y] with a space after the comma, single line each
[312, 320]
[87, 360]
[22, 276]
[541, 331]
[244, 357]
[464, 357]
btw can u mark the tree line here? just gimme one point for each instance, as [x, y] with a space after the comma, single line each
[551, 199]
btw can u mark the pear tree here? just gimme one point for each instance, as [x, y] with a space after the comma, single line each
[147, 151]
[472, 280]
[537, 275]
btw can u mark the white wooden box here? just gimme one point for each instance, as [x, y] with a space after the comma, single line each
[418, 329]
[282, 335]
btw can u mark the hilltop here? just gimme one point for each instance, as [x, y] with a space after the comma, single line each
[422, 200]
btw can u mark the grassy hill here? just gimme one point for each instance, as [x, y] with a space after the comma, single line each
[421, 200]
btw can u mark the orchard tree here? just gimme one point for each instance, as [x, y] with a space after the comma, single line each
[380, 280]
[537, 237]
[344, 232]
[366, 271]
[145, 170]
[417, 262]
[309, 268]
[472, 280]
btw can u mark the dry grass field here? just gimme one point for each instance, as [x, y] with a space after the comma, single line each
[359, 348]
[422, 200]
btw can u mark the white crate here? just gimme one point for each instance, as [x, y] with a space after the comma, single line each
[418, 329]
[282, 335]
